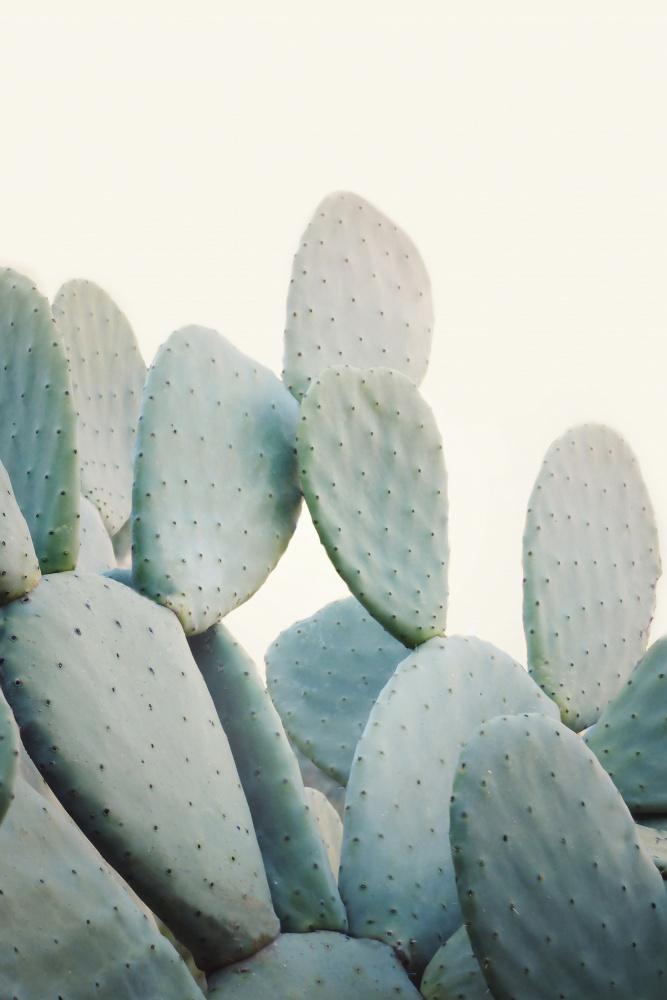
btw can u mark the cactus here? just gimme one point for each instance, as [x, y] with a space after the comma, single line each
[159, 833]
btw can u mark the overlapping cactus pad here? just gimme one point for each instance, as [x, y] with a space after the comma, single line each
[216, 493]
[9, 754]
[359, 295]
[19, 567]
[454, 973]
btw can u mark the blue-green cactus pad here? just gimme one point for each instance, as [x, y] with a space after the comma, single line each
[630, 738]
[558, 895]
[9, 755]
[122, 546]
[396, 876]
[374, 478]
[38, 445]
[314, 777]
[108, 374]
[216, 494]
[329, 824]
[19, 566]
[591, 562]
[359, 295]
[323, 964]
[67, 927]
[96, 552]
[303, 888]
[116, 715]
[654, 839]
[454, 973]
[324, 674]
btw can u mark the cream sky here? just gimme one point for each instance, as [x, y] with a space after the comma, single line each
[173, 153]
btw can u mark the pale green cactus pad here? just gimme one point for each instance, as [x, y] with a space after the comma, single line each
[329, 825]
[591, 562]
[67, 927]
[558, 895]
[96, 552]
[19, 567]
[116, 715]
[108, 374]
[9, 755]
[454, 973]
[216, 494]
[359, 295]
[323, 964]
[373, 475]
[396, 876]
[122, 546]
[324, 674]
[654, 839]
[38, 444]
[303, 888]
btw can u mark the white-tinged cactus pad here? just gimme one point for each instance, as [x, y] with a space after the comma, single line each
[359, 295]
[559, 897]
[324, 674]
[396, 876]
[19, 566]
[9, 755]
[454, 973]
[96, 553]
[591, 563]
[373, 475]
[630, 738]
[38, 443]
[325, 965]
[216, 494]
[117, 717]
[329, 824]
[67, 927]
[108, 374]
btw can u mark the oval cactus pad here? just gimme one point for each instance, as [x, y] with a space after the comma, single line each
[373, 475]
[38, 433]
[359, 295]
[559, 897]
[591, 562]
[216, 494]
[108, 374]
[19, 567]
[396, 876]
[117, 717]
[324, 674]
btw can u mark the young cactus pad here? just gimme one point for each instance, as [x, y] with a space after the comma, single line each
[216, 493]
[38, 440]
[359, 295]
[591, 563]
[373, 475]
[559, 897]
[108, 374]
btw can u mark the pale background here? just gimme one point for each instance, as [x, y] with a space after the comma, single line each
[173, 153]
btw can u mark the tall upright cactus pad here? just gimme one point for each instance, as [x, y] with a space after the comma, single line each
[108, 374]
[591, 562]
[630, 737]
[19, 566]
[9, 755]
[324, 674]
[359, 295]
[324, 965]
[396, 876]
[67, 927]
[303, 888]
[216, 494]
[373, 475]
[558, 895]
[38, 444]
[116, 716]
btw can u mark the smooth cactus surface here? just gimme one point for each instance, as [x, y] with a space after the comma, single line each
[322, 964]
[216, 493]
[9, 755]
[559, 897]
[329, 824]
[108, 374]
[591, 562]
[119, 721]
[654, 839]
[324, 674]
[396, 875]
[38, 437]
[454, 973]
[359, 295]
[19, 566]
[303, 888]
[373, 475]
[96, 552]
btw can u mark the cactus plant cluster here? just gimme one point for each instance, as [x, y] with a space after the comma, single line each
[396, 811]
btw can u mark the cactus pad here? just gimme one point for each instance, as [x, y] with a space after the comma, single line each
[9, 755]
[591, 563]
[373, 475]
[454, 973]
[96, 552]
[359, 295]
[19, 567]
[329, 825]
